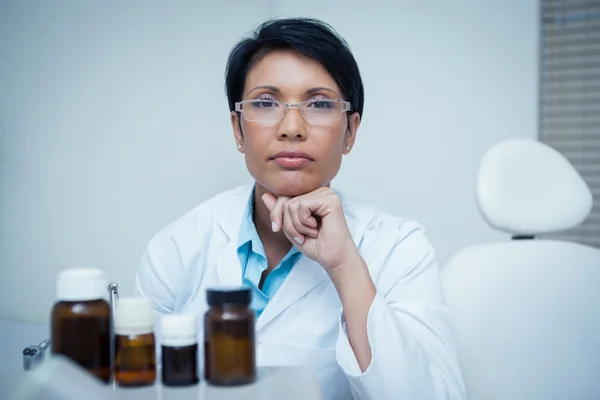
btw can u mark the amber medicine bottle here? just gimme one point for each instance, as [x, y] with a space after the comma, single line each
[80, 320]
[179, 350]
[135, 352]
[229, 347]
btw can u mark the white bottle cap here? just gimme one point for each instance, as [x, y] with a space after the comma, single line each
[81, 284]
[178, 330]
[133, 316]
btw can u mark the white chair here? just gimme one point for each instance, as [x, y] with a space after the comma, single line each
[528, 309]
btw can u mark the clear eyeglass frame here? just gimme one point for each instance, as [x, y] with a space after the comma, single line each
[346, 106]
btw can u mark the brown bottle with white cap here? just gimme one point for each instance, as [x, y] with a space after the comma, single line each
[179, 350]
[135, 357]
[80, 320]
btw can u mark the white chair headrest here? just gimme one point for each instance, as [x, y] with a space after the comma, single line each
[525, 187]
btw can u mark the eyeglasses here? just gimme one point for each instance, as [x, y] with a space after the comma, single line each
[273, 111]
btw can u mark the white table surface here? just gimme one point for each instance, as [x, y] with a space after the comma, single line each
[274, 383]
[60, 380]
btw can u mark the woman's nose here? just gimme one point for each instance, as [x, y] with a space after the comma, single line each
[292, 126]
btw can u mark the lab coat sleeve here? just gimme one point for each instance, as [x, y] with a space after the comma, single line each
[409, 332]
[160, 273]
[158, 279]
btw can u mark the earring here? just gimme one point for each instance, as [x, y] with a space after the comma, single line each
[347, 148]
[239, 146]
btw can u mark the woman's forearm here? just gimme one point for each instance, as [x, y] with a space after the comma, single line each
[357, 292]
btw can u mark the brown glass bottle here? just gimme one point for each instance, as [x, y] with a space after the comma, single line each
[135, 351]
[179, 350]
[80, 321]
[229, 346]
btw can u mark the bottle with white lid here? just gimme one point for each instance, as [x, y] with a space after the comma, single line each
[80, 321]
[179, 350]
[135, 357]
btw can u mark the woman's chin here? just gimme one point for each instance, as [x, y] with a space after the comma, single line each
[290, 188]
[291, 192]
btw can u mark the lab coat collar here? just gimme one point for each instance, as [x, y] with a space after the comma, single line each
[232, 206]
[304, 276]
[230, 215]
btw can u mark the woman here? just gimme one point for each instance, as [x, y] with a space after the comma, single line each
[337, 285]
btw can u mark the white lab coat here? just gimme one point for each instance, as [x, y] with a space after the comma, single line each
[409, 329]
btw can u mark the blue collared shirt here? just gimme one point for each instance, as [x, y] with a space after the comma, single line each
[254, 262]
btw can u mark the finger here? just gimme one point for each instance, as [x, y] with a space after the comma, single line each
[293, 209]
[290, 230]
[306, 217]
[319, 206]
[277, 213]
[269, 199]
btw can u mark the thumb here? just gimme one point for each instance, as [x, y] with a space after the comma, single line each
[269, 199]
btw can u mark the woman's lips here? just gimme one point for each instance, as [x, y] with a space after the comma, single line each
[292, 159]
[288, 162]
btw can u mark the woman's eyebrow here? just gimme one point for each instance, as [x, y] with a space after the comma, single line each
[275, 89]
[321, 88]
[271, 88]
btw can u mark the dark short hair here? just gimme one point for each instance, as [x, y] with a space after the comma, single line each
[310, 37]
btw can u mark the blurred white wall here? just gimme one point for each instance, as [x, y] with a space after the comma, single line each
[443, 81]
[114, 122]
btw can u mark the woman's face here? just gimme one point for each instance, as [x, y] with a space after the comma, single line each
[290, 77]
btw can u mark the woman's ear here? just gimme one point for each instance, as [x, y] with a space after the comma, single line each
[237, 131]
[350, 138]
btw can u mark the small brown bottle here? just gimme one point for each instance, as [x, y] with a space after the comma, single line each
[135, 351]
[179, 350]
[80, 321]
[229, 347]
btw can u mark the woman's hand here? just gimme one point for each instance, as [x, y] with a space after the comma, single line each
[316, 224]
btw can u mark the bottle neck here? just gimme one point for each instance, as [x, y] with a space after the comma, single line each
[189, 343]
[133, 331]
[230, 307]
[79, 301]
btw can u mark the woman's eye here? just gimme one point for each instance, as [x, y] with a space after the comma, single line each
[322, 104]
[264, 104]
